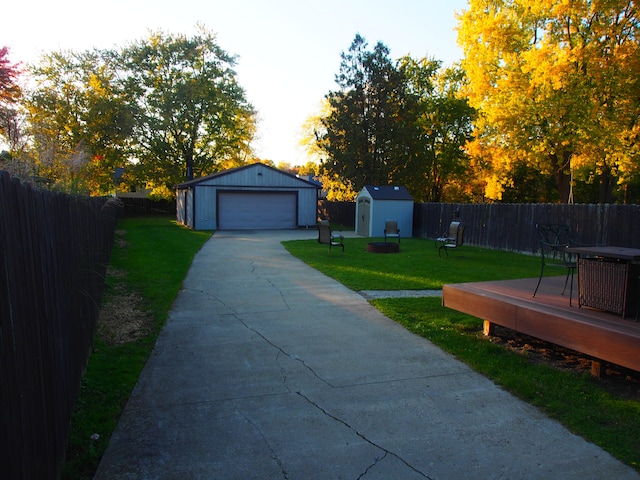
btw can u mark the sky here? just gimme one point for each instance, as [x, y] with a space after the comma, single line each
[288, 50]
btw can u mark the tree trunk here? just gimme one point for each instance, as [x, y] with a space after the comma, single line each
[189, 164]
[606, 194]
[563, 179]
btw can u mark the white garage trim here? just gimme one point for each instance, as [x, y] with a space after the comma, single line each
[257, 210]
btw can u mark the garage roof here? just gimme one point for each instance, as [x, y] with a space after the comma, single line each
[246, 167]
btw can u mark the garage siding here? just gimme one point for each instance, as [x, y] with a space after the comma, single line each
[256, 210]
[253, 196]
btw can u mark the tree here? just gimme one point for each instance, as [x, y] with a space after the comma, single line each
[441, 124]
[360, 135]
[191, 115]
[165, 108]
[10, 94]
[401, 123]
[313, 130]
[80, 121]
[9, 73]
[556, 87]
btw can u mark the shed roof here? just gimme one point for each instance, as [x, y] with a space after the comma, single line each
[387, 192]
[231, 171]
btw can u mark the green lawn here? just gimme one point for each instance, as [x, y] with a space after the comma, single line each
[416, 267]
[582, 403]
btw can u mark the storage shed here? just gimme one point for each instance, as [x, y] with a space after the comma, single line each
[253, 197]
[377, 204]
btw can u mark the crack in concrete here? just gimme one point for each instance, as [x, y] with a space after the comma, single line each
[277, 347]
[284, 352]
[257, 276]
[282, 296]
[364, 437]
[274, 454]
[282, 371]
[375, 462]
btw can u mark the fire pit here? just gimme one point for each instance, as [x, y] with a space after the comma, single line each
[382, 247]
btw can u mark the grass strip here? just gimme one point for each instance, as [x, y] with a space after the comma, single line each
[416, 267]
[150, 260]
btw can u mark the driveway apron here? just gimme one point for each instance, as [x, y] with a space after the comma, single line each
[268, 369]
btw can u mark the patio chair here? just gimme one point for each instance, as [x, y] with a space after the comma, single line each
[391, 230]
[554, 240]
[454, 238]
[327, 237]
[449, 236]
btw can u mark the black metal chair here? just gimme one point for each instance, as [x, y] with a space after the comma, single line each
[554, 240]
[327, 237]
[452, 239]
[391, 230]
[450, 235]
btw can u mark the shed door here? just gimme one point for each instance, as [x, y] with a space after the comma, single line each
[364, 216]
[256, 210]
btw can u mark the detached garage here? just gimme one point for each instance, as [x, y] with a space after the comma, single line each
[253, 197]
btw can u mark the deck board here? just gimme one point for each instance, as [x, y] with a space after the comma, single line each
[548, 316]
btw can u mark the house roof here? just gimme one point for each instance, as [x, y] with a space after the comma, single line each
[195, 181]
[387, 192]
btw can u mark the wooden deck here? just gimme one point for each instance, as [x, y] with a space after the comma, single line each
[601, 335]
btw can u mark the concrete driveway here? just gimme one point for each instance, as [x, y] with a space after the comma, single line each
[267, 369]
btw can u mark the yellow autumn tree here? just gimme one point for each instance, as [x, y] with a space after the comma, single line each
[338, 189]
[555, 83]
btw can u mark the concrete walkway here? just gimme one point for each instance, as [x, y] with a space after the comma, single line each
[267, 369]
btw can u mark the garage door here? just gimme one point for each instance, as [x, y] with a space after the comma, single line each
[256, 210]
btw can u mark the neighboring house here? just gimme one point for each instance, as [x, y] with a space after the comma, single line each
[253, 197]
[131, 191]
[377, 204]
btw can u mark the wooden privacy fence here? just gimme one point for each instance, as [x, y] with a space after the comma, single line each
[54, 251]
[340, 213]
[512, 226]
[134, 206]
